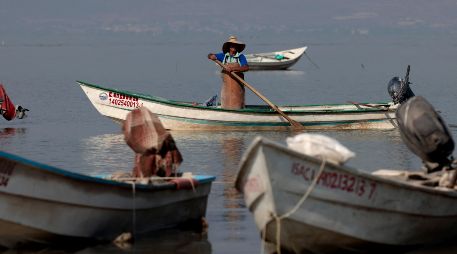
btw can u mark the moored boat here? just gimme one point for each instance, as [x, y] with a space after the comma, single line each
[279, 60]
[177, 115]
[344, 208]
[44, 204]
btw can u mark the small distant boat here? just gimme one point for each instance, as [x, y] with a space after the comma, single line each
[344, 208]
[177, 115]
[44, 204]
[279, 60]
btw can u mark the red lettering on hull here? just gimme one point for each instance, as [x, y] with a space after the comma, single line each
[253, 184]
[122, 100]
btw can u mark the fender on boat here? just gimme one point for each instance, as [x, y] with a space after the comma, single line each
[7, 108]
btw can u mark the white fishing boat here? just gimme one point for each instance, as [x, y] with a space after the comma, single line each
[177, 115]
[41, 203]
[279, 60]
[302, 203]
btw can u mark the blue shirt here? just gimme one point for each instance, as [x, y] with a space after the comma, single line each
[238, 58]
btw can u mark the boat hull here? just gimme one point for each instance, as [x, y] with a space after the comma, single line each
[347, 209]
[116, 104]
[267, 61]
[283, 65]
[40, 203]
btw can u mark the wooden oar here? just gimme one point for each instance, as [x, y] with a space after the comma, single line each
[295, 125]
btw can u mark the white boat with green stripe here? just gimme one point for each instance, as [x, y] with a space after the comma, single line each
[178, 115]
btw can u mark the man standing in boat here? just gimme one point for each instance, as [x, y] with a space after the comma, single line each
[232, 92]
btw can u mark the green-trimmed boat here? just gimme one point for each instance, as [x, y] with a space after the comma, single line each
[177, 115]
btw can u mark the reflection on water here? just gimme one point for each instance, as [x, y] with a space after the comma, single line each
[107, 154]
[231, 148]
[10, 132]
[218, 153]
[10, 137]
[165, 241]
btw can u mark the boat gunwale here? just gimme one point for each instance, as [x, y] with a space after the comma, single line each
[250, 108]
[266, 54]
[201, 179]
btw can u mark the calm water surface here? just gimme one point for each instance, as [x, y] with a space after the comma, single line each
[64, 130]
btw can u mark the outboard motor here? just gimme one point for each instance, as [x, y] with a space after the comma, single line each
[399, 89]
[425, 133]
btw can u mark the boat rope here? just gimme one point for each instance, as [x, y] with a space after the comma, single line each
[309, 59]
[296, 207]
[133, 209]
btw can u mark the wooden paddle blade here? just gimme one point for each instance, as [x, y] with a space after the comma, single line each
[292, 122]
[296, 126]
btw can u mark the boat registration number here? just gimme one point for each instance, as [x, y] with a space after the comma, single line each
[124, 103]
[336, 180]
[119, 99]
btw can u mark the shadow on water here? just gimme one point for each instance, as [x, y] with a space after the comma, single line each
[231, 148]
[165, 241]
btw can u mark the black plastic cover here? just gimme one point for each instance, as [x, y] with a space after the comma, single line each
[424, 131]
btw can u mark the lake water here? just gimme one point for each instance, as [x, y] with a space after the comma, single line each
[64, 130]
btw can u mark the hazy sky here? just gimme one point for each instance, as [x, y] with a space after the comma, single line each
[27, 19]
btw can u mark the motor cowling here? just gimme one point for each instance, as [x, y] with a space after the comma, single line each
[425, 133]
[399, 90]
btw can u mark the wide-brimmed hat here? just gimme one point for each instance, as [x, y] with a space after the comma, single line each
[234, 41]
